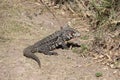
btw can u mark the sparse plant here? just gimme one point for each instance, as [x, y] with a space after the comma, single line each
[83, 50]
[86, 37]
[98, 74]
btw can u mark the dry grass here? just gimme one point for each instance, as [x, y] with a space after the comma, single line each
[103, 16]
[15, 17]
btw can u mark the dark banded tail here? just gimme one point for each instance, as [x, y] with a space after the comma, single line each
[28, 53]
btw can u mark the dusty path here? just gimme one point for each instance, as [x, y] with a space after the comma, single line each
[66, 66]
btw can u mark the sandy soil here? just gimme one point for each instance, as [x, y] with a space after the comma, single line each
[66, 66]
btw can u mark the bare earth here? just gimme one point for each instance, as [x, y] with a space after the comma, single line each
[66, 66]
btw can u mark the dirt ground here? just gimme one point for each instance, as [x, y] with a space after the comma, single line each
[26, 25]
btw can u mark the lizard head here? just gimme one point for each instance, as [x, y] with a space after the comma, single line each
[70, 33]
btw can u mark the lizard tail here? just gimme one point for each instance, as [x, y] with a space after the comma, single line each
[28, 53]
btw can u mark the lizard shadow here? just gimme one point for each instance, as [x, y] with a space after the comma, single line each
[69, 44]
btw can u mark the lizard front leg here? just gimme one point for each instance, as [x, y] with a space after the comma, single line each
[64, 45]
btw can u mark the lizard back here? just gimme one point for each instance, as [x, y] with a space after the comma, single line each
[49, 43]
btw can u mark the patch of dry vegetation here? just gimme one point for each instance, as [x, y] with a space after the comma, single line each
[15, 16]
[103, 17]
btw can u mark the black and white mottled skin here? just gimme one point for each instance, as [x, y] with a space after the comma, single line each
[50, 43]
